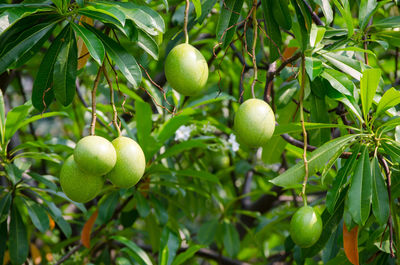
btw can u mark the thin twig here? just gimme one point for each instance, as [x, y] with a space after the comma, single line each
[185, 23]
[255, 31]
[303, 82]
[115, 113]
[94, 115]
[314, 16]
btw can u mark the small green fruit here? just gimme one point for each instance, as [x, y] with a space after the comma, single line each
[77, 185]
[305, 227]
[95, 155]
[130, 165]
[186, 70]
[254, 122]
[220, 160]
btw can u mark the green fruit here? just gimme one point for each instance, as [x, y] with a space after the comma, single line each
[95, 155]
[130, 165]
[220, 160]
[77, 185]
[254, 122]
[305, 227]
[186, 70]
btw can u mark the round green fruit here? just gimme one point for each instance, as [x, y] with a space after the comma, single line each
[254, 122]
[305, 227]
[95, 155]
[220, 160]
[186, 70]
[130, 165]
[78, 185]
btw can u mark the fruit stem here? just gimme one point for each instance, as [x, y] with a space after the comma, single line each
[94, 115]
[303, 81]
[115, 113]
[255, 29]
[185, 22]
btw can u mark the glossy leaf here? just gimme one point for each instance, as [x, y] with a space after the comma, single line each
[148, 44]
[124, 60]
[93, 44]
[388, 22]
[344, 9]
[367, 9]
[87, 229]
[23, 43]
[204, 175]
[350, 244]
[316, 35]
[296, 127]
[368, 86]
[275, 39]
[293, 176]
[226, 27]
[38, 216]
[56, 214]
[15, 118]
[42, 94]
[313, 67]
[326, 9]
[359, 195]
[231, 239]
[65, 70]
[107, 207]
[390, 99]
[18, 240]
[197, 7]
[380, 198]
[169, 244]
[142, 205]
[5, 204]
[186, 255]
[104, 13]
[138, 254]
[344, 66]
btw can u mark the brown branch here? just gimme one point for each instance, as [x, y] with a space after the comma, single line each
[94, 115]
[314, 16]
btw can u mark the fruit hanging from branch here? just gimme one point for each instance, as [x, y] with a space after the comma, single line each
[254, 122]
[305, 227]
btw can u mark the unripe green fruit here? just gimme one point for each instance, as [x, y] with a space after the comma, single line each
[254, 122]
[95, 155]
[186, 70]
[305, 227]
[130, 165]
[220, 160]
[78, 185]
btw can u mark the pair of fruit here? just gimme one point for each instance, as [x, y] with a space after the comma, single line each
[122, 161]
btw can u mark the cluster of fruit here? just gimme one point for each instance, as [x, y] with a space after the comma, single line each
[95, 159]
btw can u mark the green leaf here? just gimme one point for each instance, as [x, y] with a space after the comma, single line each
[388, 22]
[392, 148]
[204, 175]
[368, 85]
[316, 35]
[313, 67]
[137, 253]
[326, 9]
[299, 27]
[359, 195]
[178, 148]
[124, 60]
[272, 151]
[2, 118]
[296, 127]
[104, 13]
[23, 43]
[43, 179]
[366, 10]
[41, 95]
[230, 13]
[65, 70]
[38, 216]
[197, 7]
[56, 214]
[344, 9]
[144, 17]
[5, 204]
[275, 38]
[231, 239]
[380, 198]
[294, 175]
[207, 231]
[169, 244]
[13, 173]
[18, 240]
[15, 117]
[340, 181]
[342, 65]
[282, 13]
[169, 127]
[390, 99]
[148, 44]
[107, 207]
[142, 205]
[186, 255]
[93, 44]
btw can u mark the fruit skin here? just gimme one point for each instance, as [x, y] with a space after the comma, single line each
[254, 122]
[305, 227]
[130, 165]
[220, 160]
[186, 70]
[78, 185]
[95, 155]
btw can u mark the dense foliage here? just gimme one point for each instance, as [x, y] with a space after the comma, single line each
[209, 193]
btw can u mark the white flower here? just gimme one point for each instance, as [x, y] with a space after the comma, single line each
[234, 144]
[207, 128]
[183, 133]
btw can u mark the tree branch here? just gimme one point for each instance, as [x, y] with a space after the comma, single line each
[314, 16]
